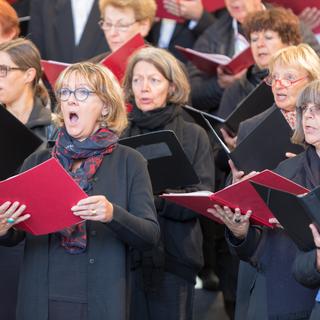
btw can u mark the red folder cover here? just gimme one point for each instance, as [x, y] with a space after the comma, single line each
[52, 70]
[117, 60]
[209, 5]
[208, 62]
[239, 195]
[49, 192]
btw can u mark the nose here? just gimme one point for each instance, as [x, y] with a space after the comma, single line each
[145, 85]
[72, 98]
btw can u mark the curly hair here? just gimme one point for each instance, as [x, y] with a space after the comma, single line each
[280, 20]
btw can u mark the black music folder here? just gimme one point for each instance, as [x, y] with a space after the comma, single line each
[259, 100]
[168, 165]
[17, 142]
[264, 147]
[294, 212]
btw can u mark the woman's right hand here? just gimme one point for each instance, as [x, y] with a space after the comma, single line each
[11, 214]
[237, 175]
[237, 223]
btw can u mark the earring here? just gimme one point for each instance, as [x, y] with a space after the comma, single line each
[103, 123]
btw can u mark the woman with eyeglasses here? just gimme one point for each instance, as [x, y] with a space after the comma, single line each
[157, 86]
[83, 272]
[123, 19]
[306, 268]
[22, 92]
[266, 287]
[269, 31]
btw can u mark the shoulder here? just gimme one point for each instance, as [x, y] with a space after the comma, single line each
[127, 156]
[36, 158]
[289, 167]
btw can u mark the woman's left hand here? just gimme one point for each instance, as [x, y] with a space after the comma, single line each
[95, 208]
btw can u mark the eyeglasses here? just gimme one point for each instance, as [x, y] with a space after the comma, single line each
[5, 69]
[81, 94]
[314, 109]
[271, 80]
[120, 27]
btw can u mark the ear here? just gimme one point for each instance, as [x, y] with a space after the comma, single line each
[30, 75]
[144, 26]
[105, 110]
[172, 88]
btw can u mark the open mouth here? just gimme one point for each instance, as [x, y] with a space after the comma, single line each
[73, 117]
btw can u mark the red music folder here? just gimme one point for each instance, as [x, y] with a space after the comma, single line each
[49, 192]
[52, 70]
[209, 62]
[239, 195]
[209, 5]
[117, 60]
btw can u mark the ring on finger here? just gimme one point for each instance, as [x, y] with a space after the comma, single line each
[236, 219]
[10, 220]
[94, 212]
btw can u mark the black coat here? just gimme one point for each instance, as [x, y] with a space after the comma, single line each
[123, 179]
[51, 29]
[182, 35]
[271, 289]
[180, 227]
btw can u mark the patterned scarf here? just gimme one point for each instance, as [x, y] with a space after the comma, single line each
[91, 151]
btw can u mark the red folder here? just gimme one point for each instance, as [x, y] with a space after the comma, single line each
[49, 192]
[298, 6]
[52, 70]
[208, 62]
[117, 60]
[239, 195]
[209, 5]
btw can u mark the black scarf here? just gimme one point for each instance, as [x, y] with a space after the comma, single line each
[91, 151]
[141, 122]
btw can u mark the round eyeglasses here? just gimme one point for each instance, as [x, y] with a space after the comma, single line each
[4, 70]
[272, 80]
[81, 94]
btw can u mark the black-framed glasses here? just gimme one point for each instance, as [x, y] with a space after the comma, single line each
[272, 80]
[4, 70]
[314, 109]
[81, 94]
[120, 27]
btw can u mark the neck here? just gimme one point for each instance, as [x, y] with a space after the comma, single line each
[22, 107]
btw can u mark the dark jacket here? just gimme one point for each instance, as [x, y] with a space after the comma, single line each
[123, 179]
[239, 90]
[51, 29]
[272, 292]
[180, 228]
[219, 38]
[305, 271]
[182, 35]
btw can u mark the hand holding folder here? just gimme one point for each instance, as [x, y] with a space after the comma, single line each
[209, 62]
[48, 192]
[240, 195]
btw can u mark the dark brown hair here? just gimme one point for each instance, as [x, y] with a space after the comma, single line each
[280, 20]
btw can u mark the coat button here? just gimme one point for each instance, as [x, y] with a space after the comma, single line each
[91, 261]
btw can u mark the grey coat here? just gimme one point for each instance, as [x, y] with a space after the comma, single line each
[123, 179]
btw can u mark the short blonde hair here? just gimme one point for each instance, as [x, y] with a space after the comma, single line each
[143, 9]
[168, 66]
[310, 94]
[106, 87]
[301, 56]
